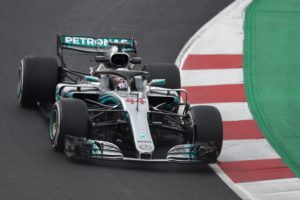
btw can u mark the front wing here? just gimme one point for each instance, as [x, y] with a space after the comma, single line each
[80, 147]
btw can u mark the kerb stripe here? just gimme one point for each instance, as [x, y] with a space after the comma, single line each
[216, 93]
[256, 170]
[243, 129]
[195, 61]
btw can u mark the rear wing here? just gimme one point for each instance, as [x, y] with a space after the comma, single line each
[92, 45]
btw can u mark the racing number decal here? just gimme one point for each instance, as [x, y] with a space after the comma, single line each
[132, 100]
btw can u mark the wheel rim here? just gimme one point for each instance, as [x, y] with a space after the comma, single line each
[20, 81]
[54, 126]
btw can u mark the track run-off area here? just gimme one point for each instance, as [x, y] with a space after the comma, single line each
[221, 68]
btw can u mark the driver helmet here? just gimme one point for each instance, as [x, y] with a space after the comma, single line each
[119, 82]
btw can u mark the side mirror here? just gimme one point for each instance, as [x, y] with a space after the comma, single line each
[91, 78]
[136, 60]
[157, 82]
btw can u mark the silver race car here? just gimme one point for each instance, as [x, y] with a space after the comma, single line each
[114, 111]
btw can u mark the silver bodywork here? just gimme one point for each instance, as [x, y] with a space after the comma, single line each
[115, 112]
[134, 103]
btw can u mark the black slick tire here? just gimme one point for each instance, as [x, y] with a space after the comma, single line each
[208, 125]
[68, 117]
[37, 79]
[167, 71]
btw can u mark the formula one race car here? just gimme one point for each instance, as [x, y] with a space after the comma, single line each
[113, 111]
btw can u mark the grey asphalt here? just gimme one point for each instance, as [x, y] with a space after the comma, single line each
[29, 168]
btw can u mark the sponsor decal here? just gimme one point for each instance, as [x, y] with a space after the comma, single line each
[143, 136]
[145, 147]
[92, 42]
[144, 141]
[133, 101]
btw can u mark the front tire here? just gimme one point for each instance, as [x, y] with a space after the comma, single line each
[68, 117]
[37, 79]
[208, 126]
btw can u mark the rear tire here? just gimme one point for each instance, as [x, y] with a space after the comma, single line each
[208, 126]
[167, 71]
[68, 117]
[37, 79]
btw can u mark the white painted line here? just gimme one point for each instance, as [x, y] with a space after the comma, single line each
[280, 189]
[214, 37]
[232, 111]
[240, 191]
[228, 32]
[211, 77]
[253, 149]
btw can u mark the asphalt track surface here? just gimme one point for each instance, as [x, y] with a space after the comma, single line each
[29, 168]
